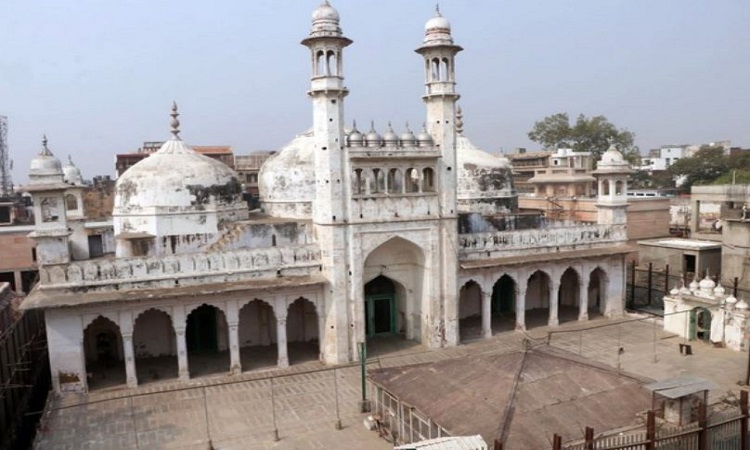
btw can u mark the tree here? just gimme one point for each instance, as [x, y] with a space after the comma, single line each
[705, 166]
[588, 134]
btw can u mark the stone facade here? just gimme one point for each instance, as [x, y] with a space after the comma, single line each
[357, 237]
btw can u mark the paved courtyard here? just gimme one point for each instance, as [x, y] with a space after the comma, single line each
[242, 412]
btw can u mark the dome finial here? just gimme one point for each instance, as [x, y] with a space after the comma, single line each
[437, 10]
[175, 123]
[45, 150]
[459, 121]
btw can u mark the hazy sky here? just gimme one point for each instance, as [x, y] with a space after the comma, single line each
[99, 76]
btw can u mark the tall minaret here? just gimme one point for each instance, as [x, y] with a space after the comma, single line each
[329, 210]
[439, 54]
[612, 173]
[326, 43]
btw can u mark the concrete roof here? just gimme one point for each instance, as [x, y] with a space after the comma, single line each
[39, 298]
[522, 398]
[615, 249]
[681, 386]
[688, 244]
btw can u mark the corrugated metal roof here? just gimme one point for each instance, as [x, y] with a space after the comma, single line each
[681, 386]
[447, 443]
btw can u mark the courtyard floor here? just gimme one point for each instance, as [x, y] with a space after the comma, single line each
[301, 402]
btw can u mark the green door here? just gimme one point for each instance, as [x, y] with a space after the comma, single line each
[380, 311]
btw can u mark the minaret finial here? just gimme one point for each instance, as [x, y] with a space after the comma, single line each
[459, 120]
[45, 150]
[175, 123]
[437, 10]
[372, 125]
[407, 126]
[354, 124]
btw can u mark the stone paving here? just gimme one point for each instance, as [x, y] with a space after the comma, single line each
[237, 412]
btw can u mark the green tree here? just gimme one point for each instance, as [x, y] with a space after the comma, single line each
[706, 165]
[588, 134]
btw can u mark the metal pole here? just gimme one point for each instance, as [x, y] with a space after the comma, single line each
[632, 284]
[666, 280]
[364, 404]
[135, 428]
[336, 393]
[580, 343]
[205, 414]
[743, 424]
[736, 283]
[273, 414]
[655, 333]
[650, 278]
[619, 345]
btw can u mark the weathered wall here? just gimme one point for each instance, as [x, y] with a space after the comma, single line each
[735, 256]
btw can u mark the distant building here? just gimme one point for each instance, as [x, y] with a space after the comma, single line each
[568, 174]
[248, 168]
[525, 164]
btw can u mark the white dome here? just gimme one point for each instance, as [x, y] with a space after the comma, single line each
[71, 173]
[484, 180]
[707, 283]
[45, 167]
[287, 180]
[438, 23]
[325, 12]
[177, 178]
[742, 304]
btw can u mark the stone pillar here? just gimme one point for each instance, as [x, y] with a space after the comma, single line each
[320, 311]
[18, 281]
[281, 314]
[130, 375]
[486, 314]
[521, 305]
[235, 365]
[182, 358]
[695, 211]
[554, 302]
[583, 296]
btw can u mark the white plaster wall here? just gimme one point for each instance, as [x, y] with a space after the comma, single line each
[65, 344]
[257, 324]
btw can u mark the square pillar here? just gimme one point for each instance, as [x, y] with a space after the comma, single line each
[130, 375]
[182, 359]
[521, 306]
[283, 360]
[486, 314]
[554, 303]
[583, 298]
[235, 365]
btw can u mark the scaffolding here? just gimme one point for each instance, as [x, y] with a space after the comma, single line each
[6, 184]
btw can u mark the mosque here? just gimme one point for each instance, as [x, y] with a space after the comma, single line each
[361, 237]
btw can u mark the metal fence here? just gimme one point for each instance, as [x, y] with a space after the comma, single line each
[24, 376]
[399, 422]
[647, 285]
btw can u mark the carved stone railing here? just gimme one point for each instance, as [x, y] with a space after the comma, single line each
[187, 269]
[509, 243]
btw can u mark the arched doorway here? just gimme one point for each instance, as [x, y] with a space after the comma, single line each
[302, 332]
[504, 304]
[155, 347]
[569, 296]
[597, 292]
[537, 299]
[103, 352]
[381, 310]
[470, 312]
[700, 324]
[394, 276]
[257, 336]
[207, 338]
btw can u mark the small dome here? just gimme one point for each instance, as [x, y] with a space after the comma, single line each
[390, 138]
[325, 12]
[674, 292]
[437, 30]
[612, 156]
[742, 304]
[424, 138]
[719, 290]
[71, 173]
[355, 138]
[438, 23]
[731, 300]
[407, 137]
[45, 167]
[373, 139]
[694, 285]
[707, 283]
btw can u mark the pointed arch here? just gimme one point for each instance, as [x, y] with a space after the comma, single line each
[569, 295]
[207, 339]
[103, 353]
[538, 296]
[504, 300]
[597, 291]
[470, 311]
[154, 346]
[257, 334]
[303, 331]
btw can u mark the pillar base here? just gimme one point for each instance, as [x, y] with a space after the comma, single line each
[283, 363]
[132, 383]
[235, 370]
[583, 318]
[520, 327]
[365, 406]
[184, 375]
[553, 322]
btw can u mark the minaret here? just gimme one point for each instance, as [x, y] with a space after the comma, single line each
[612, 196]
[47, 190]
[329, 209]
[439, 54]
[326, 43]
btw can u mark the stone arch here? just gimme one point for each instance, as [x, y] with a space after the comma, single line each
[71, 202]
[257, 334]
[503, 306]
[154, 346]
[103, 353]
[303, 330]
[470, 311]
[428, 180]
[207, 340]
[538, 295]
[597, 291]
[411, 180]
[569, 295]
[378, 185]
[402, 261]
[395, 181]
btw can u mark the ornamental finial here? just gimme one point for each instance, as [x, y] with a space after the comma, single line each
[459, 120]
[45, 150]
[175, 123]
